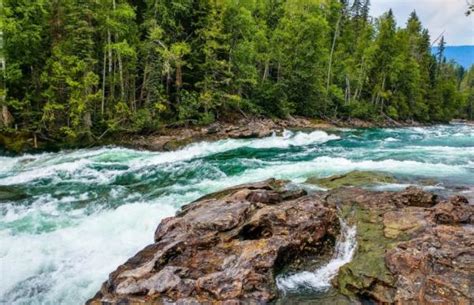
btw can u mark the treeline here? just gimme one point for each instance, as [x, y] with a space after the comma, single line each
[76, 68]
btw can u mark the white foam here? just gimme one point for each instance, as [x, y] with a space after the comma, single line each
[74, 261]
[202, 149]
[289, 138]
[402, 186]
[79, 163]
[320, 279]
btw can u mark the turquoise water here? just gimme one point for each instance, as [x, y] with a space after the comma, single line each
[70, 218]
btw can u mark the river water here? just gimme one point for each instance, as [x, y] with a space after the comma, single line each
[68, 219]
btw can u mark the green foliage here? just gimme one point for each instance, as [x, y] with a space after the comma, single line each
[77, 69]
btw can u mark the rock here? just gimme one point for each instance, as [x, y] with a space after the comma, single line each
[354, 178]
[175, 137]
[437, 267]
[407, 222]
[412, 248]
[11, 193]
[213, 128]
[227, 247]
[176, 144]
[15, 141]
[224, 248]
[414, 196]
[251, 129]
[455, 210]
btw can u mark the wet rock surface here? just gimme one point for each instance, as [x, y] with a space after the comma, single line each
[224, 248]
[413, 248]
[227, 248]
[354, 178]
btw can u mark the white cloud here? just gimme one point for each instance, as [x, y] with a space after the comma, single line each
[438, 16]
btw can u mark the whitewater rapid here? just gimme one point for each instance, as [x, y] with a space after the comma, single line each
[319, 280]
[81, 213]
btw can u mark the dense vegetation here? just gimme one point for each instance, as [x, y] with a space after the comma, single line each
[79, 68]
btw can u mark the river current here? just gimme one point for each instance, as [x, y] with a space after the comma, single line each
[69, 218]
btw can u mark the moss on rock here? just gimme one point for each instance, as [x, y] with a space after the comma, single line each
[354, 178]
[367, 273]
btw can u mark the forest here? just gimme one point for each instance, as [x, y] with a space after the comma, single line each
[76, 69]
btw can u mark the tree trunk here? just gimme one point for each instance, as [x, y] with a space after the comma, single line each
[336, 33]
[348, 91]
[178, 81]
[144, 87]
[381, 98]
[109, 43]
[179, 77]
[266, 70]
[6, 119]
[122, 86]
[104, 64]
[361, 81]
[87, 120]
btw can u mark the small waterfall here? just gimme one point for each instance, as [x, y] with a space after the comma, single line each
[320, 279]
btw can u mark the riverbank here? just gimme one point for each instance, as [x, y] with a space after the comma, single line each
[173, 137]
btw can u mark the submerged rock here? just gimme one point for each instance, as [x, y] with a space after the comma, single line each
[11, 193]
[354, 178]
[224, 249]
[227, 248]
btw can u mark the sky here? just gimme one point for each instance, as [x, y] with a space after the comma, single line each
[438, 16]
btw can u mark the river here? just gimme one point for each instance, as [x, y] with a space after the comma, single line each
[69, 218]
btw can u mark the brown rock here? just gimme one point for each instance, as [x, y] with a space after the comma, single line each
[437, 267]
[455, 210]
[223, 249]
[412, 249]
[414, 196]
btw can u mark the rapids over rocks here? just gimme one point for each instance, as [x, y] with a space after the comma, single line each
[68, 219]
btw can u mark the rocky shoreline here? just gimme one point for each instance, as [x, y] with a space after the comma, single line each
[229, 247]
[172, 137]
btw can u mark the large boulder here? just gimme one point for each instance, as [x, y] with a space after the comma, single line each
[224, 248]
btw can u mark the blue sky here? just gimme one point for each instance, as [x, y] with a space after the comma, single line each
[436, 15]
